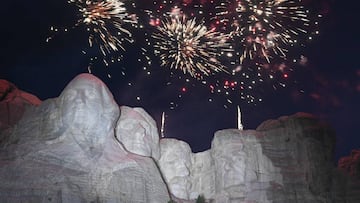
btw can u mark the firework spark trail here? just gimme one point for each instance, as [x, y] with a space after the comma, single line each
[105, 20]
[232, 86]
[265, 28]
[186, 45]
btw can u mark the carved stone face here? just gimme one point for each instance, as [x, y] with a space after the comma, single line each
[87, 107]
[176, 158]
[137, 131]
[175, 163]
[230, 161]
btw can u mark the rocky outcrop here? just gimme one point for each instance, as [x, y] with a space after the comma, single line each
[303, 148]
[83, 147]
[65, 150]
[351, 164]
[347, 178]
[13, 103]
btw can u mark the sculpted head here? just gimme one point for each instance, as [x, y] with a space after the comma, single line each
[87, 107]
[176, 157]
[175, 163]
[230, 158]
[137, 131]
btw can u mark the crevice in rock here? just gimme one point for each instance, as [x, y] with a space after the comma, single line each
[163, 178]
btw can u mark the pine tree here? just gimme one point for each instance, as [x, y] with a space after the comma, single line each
[200, 199]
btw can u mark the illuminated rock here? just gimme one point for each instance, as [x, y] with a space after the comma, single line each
[202, 175]
[65, 150]
[284, 160]
[242, 171]
[81, 147]
[138, 133]
[175, 164]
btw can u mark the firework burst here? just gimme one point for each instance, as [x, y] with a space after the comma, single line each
[265, 28]
[186, 45]
[105, 21]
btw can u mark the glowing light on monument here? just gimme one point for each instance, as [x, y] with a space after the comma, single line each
[240, 126]
[162, 124]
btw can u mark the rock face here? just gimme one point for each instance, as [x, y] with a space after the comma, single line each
[351, 164]
[303, 148]
[65, 150]
[83, 147]
[138, 132]
[13, 103]
[284, 160]
[242, 171]
[347, 178]
[175, 162]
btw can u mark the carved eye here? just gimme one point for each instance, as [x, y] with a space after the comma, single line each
[90, 94]
[70, 95]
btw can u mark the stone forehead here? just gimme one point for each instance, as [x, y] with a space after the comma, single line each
[91, 90]
[85, 82]
[173, 146]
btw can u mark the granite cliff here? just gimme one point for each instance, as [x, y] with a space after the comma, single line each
[83, 147]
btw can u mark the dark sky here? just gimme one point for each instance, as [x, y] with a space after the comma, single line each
[330, 79]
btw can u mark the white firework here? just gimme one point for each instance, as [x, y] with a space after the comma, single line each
[105, 20]
[190, 46]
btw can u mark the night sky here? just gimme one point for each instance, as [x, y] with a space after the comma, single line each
[328, 86]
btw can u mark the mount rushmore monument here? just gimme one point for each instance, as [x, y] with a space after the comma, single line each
[83, 147]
